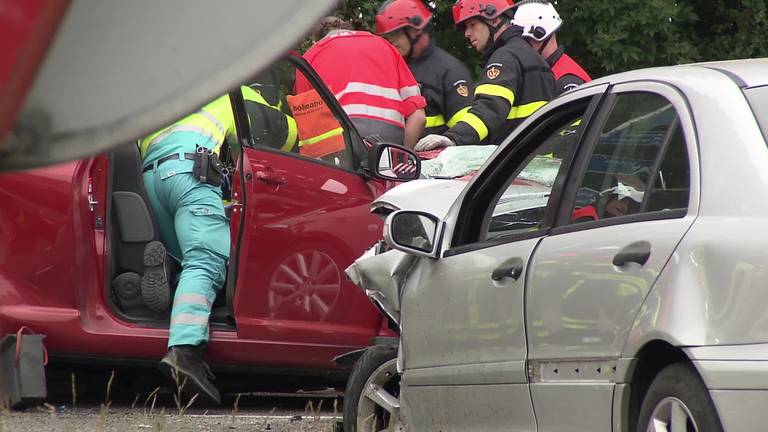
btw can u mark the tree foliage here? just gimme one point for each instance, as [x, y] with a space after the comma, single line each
[608, 36]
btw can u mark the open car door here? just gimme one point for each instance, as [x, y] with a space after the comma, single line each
[302, 217]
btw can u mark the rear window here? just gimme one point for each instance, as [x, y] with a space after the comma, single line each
[758, 100]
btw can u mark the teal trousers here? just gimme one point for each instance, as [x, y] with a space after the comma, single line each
[195, 231]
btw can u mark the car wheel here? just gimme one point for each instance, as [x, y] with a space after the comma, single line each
[371, 399]
[678, 400]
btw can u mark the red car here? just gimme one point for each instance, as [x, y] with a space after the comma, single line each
[73, 236]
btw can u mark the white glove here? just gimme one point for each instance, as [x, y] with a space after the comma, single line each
[433, 141]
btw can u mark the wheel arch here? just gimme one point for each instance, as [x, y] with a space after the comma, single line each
[649, 360]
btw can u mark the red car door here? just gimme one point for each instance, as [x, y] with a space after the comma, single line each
[301, 222]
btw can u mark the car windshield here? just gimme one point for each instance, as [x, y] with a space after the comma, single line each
[758, 100]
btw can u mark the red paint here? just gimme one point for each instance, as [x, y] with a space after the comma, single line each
[55, 253]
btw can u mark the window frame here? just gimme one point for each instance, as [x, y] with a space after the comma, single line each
[351, 136]
[485, 189]
[686, 122]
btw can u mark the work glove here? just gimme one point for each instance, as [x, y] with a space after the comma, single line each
[433, 141]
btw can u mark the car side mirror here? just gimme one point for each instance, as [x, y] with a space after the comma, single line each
[393, 162]
[414, 232]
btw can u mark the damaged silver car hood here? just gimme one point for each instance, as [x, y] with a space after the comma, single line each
[435, 196]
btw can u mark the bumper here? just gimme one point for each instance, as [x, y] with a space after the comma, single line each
[737, 379]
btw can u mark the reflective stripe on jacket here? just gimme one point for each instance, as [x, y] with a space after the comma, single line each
[446, 84]
[515, 82]
[320, 133]
[367, 75]
[215, 121]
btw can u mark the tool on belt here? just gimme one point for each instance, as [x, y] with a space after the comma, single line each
[208, 167]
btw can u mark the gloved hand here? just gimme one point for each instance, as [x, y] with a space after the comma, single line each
[433, 141]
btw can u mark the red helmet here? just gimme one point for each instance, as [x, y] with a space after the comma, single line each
[396, 14]
[484, 9]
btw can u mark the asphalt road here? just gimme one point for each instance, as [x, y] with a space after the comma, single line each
[100, 406]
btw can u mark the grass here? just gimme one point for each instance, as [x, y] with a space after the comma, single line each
[163, 420]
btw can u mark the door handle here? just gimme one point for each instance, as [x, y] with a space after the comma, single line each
[637, 252]
[270, 177]
[511, 268]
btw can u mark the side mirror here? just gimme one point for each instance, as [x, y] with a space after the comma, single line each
[414, 232]
[393, 162]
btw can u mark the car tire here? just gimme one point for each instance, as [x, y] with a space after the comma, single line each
[376, 368]
[678, 394]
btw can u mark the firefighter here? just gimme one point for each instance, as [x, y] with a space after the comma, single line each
[515, 81]
[182, 175]
[540, 21]
[371, 81]
[445, 82]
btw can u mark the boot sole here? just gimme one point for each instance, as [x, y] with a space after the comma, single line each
[192, 386]
[155, 289]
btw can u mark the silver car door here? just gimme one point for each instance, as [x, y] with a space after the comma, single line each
[463, 330]
[630, 200]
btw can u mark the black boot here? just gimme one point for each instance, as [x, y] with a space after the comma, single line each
[155, 289]
[184, 365]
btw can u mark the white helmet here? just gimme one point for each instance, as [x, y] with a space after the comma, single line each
[538, 18]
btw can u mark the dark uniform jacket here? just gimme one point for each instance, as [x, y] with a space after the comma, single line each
[568, 73]
[446, 84]
[515, 82]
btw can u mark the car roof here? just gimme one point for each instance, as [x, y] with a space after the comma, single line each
[745, 73]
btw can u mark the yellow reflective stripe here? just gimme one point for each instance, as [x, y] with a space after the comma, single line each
[526, 110]
[434, 121]
[290, 142]
[316, 139]
[477, 124]
[496, 90]
[457, 117]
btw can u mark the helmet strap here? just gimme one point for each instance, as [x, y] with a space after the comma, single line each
[492, 30]
[412, 40]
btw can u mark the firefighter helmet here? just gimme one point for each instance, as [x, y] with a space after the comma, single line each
[538, 18]
[397, 14]
[483, 9]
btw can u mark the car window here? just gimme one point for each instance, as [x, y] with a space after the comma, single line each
[672, 184]
[290, 115]
[622, 165]
[522, 205]
[758, 100]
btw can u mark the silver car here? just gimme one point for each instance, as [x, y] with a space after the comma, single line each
[626, 290]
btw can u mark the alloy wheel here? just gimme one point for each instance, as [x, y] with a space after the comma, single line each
[671, 415]
[379, 406]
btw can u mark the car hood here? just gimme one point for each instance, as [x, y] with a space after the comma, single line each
[431, 195]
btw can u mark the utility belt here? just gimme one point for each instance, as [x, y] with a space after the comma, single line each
[208, 167]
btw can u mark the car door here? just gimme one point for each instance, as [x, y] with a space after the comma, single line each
[463, 329]
[631, 197]
[304, 219]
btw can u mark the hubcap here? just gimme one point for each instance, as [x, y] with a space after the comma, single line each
[671, 415]
[306, 283]
[379, 406]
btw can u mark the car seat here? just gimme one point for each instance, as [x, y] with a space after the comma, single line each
[133, 227]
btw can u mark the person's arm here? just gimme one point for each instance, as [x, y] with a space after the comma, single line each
[494, 98]
[457, 93]
[414, 126]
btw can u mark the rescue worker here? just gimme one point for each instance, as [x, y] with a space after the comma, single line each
[445, 82]
[182, 178]
[540, 22]
[515, 81]
[371, 82]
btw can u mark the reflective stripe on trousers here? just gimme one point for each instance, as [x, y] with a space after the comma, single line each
[193, 226]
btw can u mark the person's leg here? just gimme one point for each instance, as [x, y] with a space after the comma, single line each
[202, 230]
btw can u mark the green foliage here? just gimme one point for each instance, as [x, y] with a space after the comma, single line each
[608, 36]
